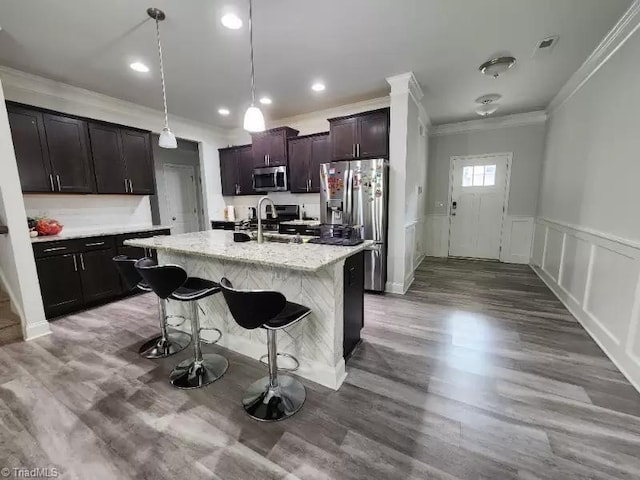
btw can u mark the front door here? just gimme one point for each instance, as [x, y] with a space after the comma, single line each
[180, 198]
[478, 194]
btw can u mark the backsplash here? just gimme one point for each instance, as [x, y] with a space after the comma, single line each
[310, 201]
[77, 212]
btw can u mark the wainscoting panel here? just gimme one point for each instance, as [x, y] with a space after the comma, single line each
[437, 228]
[575, 266]
[517, 235]
[597, 277]
[553, 253]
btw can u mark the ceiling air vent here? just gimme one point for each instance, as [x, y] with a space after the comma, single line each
[546, 45]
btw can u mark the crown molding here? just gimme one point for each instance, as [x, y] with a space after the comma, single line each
[20, 81]
[517, 120]
[610, 44]
[357, 107]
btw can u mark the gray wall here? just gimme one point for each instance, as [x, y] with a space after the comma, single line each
[527, 144]
[187, 153]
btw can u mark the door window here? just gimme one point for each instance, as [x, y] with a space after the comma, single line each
[479, 176]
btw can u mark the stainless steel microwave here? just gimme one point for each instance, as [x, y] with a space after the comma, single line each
[270, 179]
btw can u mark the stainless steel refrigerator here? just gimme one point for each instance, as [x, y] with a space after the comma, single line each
[356, 193]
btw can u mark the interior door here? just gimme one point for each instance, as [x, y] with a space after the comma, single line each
[180, 198]
[478, 194]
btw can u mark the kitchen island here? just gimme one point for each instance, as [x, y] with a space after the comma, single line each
[327, 279]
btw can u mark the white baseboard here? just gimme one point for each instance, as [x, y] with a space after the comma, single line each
[597, 278]
[36, 330]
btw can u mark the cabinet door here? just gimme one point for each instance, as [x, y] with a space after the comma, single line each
[299, 160]
[260, 145]
[320, 153]
[353, 307]
[107, 156]
[30, 145]
[373, 135]
[343, 138]
[67, 140]
[229, 172]
[100, 278]
[60, 284]
[138, 159]
[277, 149]
[244, 159]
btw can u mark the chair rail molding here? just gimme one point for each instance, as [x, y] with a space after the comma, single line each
[609, 45]
[597, 277]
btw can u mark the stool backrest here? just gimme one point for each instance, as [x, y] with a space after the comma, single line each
[252, 308]
[126, 268]
[162, 279]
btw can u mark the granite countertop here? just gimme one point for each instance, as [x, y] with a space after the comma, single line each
[219, 244]
[96, 232]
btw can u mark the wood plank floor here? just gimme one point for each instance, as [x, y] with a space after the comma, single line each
[477, 373]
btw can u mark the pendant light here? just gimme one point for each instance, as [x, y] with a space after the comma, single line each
[253, 118]
[167, 138]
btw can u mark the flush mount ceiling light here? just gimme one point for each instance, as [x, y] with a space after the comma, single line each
[139, 67]
[490, 98]
[497, 66]
[318, 87]
[224, 111]
[487, 109]
[266, 101]
[231, 21]
[167, 138]
[253, 118]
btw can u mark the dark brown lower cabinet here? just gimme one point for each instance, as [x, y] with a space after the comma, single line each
[76, 274]
[60, 284]
[99, 277]
[353, 302]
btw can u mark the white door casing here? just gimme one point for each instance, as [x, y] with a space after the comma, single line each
[478, 196]
[180, 198]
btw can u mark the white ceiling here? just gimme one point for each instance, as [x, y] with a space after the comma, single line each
[351, 45]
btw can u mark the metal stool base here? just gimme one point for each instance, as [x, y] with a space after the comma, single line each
[270, 404]
[189, 374]
[159, 348]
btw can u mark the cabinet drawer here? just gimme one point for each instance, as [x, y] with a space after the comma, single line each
[61, 247]
[96, 243]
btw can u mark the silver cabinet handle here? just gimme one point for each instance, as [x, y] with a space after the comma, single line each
[353, 150]
[54, 249]
[265, 159]
[95, 244]
[58, 180]
[75, 264]
[310, 184]
[130, 186]
[126, 186]
[53, 189]
[358, 150]
[82, 262]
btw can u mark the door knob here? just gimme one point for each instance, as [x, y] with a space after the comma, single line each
[174, 219]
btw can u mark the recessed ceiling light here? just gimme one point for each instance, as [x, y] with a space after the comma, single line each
[266, 101]
[139, 67]
[318, 87]
[232, 21]
[224, 111]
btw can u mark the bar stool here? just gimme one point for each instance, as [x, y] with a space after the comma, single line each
[168, 343]
[171, 281]
[274, 397]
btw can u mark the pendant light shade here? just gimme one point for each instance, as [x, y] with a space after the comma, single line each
[253, 118]
[167, 138]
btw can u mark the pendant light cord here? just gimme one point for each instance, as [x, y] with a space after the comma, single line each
[164, 91]
[253, 81]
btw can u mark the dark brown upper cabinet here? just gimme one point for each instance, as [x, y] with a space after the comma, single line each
[138, 159]
[270, 147]
[30, 145]
[236, 170]
[68, 144]
[365, 135]
[306, 154]
[123, 159]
